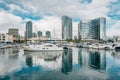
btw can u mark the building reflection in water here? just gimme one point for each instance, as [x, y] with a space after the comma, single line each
[46, 59]
[92, 58]
[10, 53]
[29, 61]
[115, 54]
[13, 53]
[97, 59]
[83, 57]
[2, 51]
[67, 61]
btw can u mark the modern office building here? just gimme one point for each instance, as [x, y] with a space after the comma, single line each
[28, 32]
[48, 34]
[40, 34]
[66, 28]
[92, 29]
[103, 28]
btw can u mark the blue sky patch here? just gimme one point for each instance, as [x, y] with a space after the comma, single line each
[85, 1]
[27, 15]
[114, 11]
[76, 19]
[19, 13]
[3, 6]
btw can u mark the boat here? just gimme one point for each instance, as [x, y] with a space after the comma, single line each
[115, 46]
[96, 46]
[43, 47]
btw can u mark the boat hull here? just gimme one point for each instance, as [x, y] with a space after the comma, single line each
[42, 48]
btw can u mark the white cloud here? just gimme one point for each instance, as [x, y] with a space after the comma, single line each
[72, 8]
[54, 25]
[14, 7]
[8, 20]
[114, 30]
[49, 23]
[69, 7]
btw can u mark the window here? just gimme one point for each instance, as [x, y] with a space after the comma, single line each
[3, 36]
[48, 45]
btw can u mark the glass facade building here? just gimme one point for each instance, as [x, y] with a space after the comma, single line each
[28, 32]
[92, 29]
[39, 33]
[66, 28]
[48, 34]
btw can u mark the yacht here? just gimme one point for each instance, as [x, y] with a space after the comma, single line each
[96, 46]
[115, 46]
[43, 47]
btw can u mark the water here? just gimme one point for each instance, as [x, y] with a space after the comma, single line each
[74, 64]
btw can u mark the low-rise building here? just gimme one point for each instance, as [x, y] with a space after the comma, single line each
[38, 39]
[4, 37]
[117, 39]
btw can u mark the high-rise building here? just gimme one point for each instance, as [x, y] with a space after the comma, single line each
[92, 29]
[66, 28]
[48, 34]
[39, 33]
[28, 32]
[102, 28]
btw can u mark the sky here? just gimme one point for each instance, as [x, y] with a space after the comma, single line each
[46, 14]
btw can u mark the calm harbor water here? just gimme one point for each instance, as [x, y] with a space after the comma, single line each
[74, 64]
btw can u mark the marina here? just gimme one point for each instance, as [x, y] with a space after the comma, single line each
[59, 40]
[72, 64]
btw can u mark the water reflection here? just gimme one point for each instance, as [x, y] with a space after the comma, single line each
[97, 59]
[49, 59]
[92, 58]
[83, 58]
[67, 61]
[8, 60]
[115, 54]
[74, 64]
[29, 61]
[2, 51]
[46, 56]
[13, 53]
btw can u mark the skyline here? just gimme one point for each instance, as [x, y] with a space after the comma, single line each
[46, 15]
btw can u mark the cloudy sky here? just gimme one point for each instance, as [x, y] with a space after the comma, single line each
[46, 14]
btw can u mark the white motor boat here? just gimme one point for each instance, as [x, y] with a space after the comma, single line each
[96, 46]
[43, 47]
